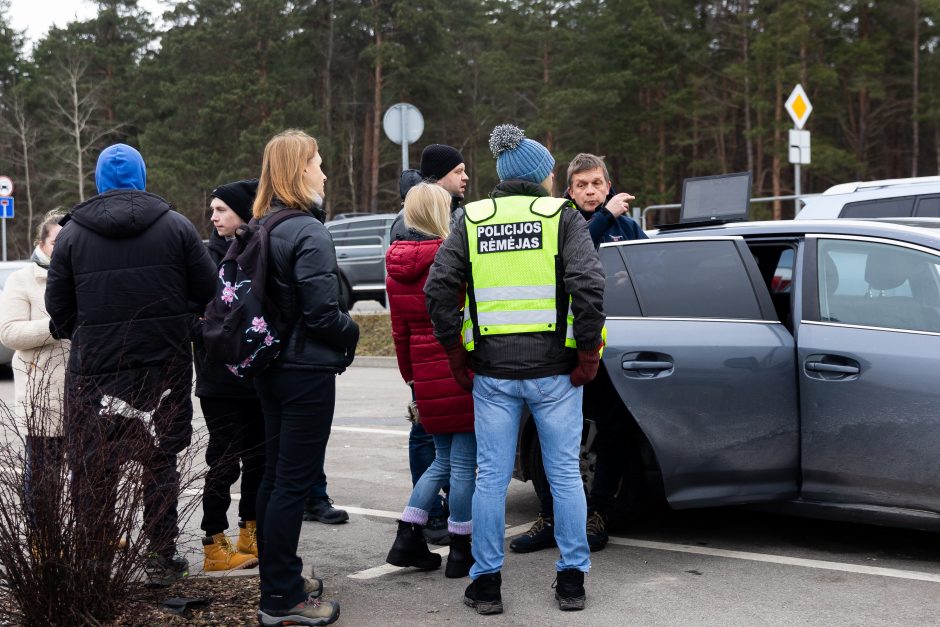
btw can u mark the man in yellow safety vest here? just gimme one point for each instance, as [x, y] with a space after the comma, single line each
[531, 329]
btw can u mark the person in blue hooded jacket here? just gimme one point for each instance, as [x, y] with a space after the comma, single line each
[125, 276]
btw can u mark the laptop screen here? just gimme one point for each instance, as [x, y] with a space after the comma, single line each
[724, 197]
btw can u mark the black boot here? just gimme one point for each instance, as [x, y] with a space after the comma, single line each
[460, 559]
[483, 594]
[569, 589]
[411, 549]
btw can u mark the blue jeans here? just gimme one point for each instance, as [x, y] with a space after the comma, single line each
[420, 456]
[556, 408]
[455, 460]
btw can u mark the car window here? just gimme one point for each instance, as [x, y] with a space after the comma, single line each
[362, 233]
[878, 285]
[692, 279]
[619, 297]
[928, 207]
[882, 208]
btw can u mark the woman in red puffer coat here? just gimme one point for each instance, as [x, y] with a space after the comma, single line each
[445, 409]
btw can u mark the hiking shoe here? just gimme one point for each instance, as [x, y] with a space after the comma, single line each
[483, 594]
[540, 536]
[310, 611]
[221, 555]
[162, 571]
[411, 549]
[322, 510]
[436, 531]
[460, 558]
[569, 589]
[248, 537]
[596, 531]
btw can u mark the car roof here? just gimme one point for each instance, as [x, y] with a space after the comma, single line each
[894, 185]
[361, 218]
[924, 231]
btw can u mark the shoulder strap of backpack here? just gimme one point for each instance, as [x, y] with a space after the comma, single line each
[279, 216]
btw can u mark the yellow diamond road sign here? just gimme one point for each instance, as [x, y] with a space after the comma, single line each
[798, 106]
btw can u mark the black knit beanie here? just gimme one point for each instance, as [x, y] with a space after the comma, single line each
[239, 195]
[437, 160]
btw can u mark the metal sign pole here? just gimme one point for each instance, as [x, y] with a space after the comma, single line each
[404, 139]
[4, 238]
[796, 187]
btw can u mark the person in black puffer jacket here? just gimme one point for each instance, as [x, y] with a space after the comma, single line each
[124, 272]
[298, 390]
[232, 412]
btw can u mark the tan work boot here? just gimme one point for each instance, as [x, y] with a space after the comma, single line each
[222, 555]
[248, 537]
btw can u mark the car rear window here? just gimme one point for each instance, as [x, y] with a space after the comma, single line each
[928, 207]
[362, 233]
[882, 208]
[694, 279]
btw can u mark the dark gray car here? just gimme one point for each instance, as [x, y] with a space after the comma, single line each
[361, 243]
[792, 363]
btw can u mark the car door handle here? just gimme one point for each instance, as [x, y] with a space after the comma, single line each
[647, 365]
[819, 366]
[342, 256]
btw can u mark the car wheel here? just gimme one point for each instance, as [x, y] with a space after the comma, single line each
[587, 458]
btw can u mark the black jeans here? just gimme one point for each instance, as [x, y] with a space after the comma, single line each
[101, 448]
[298, 413]
[236, 435]
[43, 474]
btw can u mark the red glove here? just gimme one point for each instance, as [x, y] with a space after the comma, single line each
[459, 361]
[586, 370]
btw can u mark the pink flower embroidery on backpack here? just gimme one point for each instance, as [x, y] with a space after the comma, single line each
[228, 293]
[269, 340]
[258, 325]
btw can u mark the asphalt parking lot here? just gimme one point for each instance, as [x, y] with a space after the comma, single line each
[709, 567]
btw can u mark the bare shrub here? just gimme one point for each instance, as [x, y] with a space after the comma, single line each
[76, 531]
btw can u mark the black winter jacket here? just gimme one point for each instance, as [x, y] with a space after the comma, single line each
[303, 281]
[124, 273]
[214, 380]
[521, 355]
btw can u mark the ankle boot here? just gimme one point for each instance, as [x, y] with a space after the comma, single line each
[221, 555]
[248, 537]
[411, 549]
[460, 558]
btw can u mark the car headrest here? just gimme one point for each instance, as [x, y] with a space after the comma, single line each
[886, 270]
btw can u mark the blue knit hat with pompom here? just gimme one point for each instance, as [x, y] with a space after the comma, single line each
[518, 157]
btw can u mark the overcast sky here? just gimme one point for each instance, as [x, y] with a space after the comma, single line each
[36, 16]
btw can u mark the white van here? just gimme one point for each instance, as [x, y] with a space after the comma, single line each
[890, 198]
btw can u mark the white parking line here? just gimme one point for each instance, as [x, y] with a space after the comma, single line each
[371, 430]
[779, 559]
[385, 569]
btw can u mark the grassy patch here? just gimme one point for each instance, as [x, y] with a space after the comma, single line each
[375, 334]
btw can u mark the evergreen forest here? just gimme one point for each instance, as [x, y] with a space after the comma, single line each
[666, 89]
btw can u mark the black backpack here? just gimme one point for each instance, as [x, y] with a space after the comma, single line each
[243, 328]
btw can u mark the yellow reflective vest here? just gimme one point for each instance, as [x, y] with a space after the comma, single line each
[515, 284]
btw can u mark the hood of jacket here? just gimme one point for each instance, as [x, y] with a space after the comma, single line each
[518, 187]
[408, 261]
[120, 167]
[120, 213]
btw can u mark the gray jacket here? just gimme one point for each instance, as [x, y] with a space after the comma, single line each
[521, 355]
